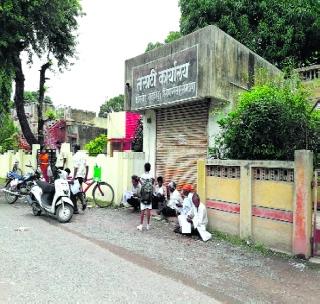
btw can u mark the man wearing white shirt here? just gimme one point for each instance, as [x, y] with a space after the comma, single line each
[172, 207]
[80, 173]
[61, 157]
[199, 218]
[160, 194]
[196, 220]
[187, 199]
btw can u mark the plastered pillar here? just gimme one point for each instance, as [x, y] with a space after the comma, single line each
[302, 208]
[245, 202]
[201, 180]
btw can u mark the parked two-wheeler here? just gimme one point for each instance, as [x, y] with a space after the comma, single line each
[53, 199]
[17, 185]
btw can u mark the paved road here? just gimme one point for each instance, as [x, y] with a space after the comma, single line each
[100, 257]
[44, 262]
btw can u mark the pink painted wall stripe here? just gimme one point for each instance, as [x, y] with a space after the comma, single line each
[279, 215]
[223, 206]
[272, 214]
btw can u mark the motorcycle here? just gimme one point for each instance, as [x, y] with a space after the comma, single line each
[17, 185]
[53, 199]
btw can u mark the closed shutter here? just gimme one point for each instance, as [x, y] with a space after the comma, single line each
[181, 141]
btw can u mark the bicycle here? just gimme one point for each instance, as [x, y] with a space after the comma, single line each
[102, 193]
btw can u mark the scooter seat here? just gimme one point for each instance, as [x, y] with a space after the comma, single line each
[46, 187]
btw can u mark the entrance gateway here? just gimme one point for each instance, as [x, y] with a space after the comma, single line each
[182, 89]
[316, 214]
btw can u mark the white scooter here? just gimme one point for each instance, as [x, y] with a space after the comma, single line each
[52, 199]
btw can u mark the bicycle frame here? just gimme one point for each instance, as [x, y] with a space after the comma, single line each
[89, 182]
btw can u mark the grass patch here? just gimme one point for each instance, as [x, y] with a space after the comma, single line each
[2, 181]
[248, 244]
[94, 205]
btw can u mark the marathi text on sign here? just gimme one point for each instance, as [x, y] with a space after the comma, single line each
[166, 80]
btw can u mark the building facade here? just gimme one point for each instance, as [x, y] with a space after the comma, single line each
[183, 89]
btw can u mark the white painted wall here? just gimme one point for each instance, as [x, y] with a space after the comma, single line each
[116, 170]
[116, 125]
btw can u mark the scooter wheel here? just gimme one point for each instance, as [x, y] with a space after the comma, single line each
[36, 211]
[64, 213]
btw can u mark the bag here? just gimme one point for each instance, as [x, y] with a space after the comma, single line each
[49, 171]
[75, 188]
[146, 191]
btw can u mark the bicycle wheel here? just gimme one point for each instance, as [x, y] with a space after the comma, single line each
[103, 194]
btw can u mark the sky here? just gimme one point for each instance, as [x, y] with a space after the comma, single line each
[110, 33]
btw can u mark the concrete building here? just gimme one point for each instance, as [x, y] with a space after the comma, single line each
[182, 89]
[74, 126]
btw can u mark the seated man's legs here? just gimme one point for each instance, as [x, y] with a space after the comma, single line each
[134, 202]
[167, 211]
[158, 202]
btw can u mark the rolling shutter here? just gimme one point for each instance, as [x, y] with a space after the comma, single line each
[181, 141]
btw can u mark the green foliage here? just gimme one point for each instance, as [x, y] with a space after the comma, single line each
[172, 36]
[33, 97]
[97, 145]
[114, 104]
[51, 114]
[279, 31]
[270, 122]
[38, 27]
[8, 134]
[6, 77]
[152, 46]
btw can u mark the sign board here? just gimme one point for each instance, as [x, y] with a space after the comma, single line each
[166, 80]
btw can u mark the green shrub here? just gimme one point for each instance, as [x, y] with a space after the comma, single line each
[97, 145]
[8, 134]
[271, 121]
[51, 114]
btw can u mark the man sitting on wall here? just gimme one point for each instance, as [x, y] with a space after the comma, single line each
[132, 198]
[196, 221]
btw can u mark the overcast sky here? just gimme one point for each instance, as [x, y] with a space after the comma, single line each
[110, 33]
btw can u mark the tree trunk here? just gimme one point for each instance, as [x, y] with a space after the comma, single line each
[19, 102]
[40, 101]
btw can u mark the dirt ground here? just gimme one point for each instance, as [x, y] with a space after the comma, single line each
[234, 273]
[226, 272]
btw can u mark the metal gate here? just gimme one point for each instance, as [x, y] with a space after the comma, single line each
[316, 214]
[181, 140]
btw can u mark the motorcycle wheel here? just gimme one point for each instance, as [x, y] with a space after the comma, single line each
[10, 198]
[36, 211]
[64, 213]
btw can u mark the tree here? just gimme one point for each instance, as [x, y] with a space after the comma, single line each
[97, 145]
[41, 28]
[172, 36]
[33, 97]
[8, 134]
[152, 46]
[276, 30]
[6, 77]
[271, 121]
[114, 104]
